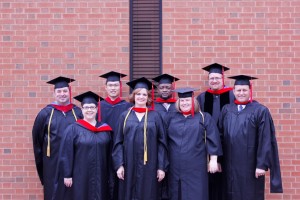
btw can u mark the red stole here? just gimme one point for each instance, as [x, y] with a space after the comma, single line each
[113, 102]
[241, 103]
[170, 100]
[92, 128]
[218, 92]
[63, 108]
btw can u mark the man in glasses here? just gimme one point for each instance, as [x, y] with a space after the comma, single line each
[212, 101]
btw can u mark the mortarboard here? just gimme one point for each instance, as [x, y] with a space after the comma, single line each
[88, 97]
[215, 68]
[242, 79]
[112, 76]
[60, 82]
[165, 78]
[185, 92]
[140, 83]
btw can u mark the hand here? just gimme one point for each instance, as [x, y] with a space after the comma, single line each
[120, 172]
[213, 166]
[160, 175]
[259, 172]
[68, 182]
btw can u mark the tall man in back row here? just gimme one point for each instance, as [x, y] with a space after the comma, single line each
[111, 108]
[47, 133]
[212, 101]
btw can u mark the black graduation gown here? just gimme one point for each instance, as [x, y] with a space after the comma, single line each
[188, 154]
[248, 143]
[213, 104]
[110, 114]
[85, 157]
[162, 110]
[159, 107]
[46, 166]
[140, 180]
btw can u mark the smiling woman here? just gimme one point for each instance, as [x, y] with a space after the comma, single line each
[139, 150]
[85, 154]
[191, 136]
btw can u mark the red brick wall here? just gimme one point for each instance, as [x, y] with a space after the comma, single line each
[40, 40]
[259, 38]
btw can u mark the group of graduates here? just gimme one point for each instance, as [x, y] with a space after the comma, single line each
[217, 146]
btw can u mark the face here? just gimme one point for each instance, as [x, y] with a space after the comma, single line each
[141, 98]
[185, 104]
[241, 92]
[113, 89]
[89, 111]
[62, 95]
[165, 90]
[215, 81]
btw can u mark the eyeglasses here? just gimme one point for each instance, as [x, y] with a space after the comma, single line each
[215, 78]
[89, 107]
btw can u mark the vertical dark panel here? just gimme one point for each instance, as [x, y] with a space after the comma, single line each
[145, 38]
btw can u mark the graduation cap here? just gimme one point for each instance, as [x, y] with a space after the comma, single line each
[60, 82]
[112, 76]
[140, 83]
[185, 92]
[168, 79]
[215, 68]
[242, 79]
[143, 83]
[90, 97]
[165, 78]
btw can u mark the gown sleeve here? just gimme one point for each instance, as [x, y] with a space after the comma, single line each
[267, 151]
[162, 144]
[37, 139]
[66, 153]
[118, 150]
[213, 141]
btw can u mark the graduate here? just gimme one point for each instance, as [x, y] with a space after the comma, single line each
[192, 136]
[249, 145]
[113, 105]
[85, 154]
[166, 101]
[111, 109]
[218, 95]
[140, 146]
[212, 101]
[48, 129]
[165, 104]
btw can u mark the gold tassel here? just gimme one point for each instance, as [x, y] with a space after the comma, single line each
[145, 138]
[49, 124]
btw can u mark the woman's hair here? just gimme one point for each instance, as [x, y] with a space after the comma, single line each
[134, 92]
[196, 105]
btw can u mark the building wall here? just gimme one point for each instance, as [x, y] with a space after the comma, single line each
[40, 40]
